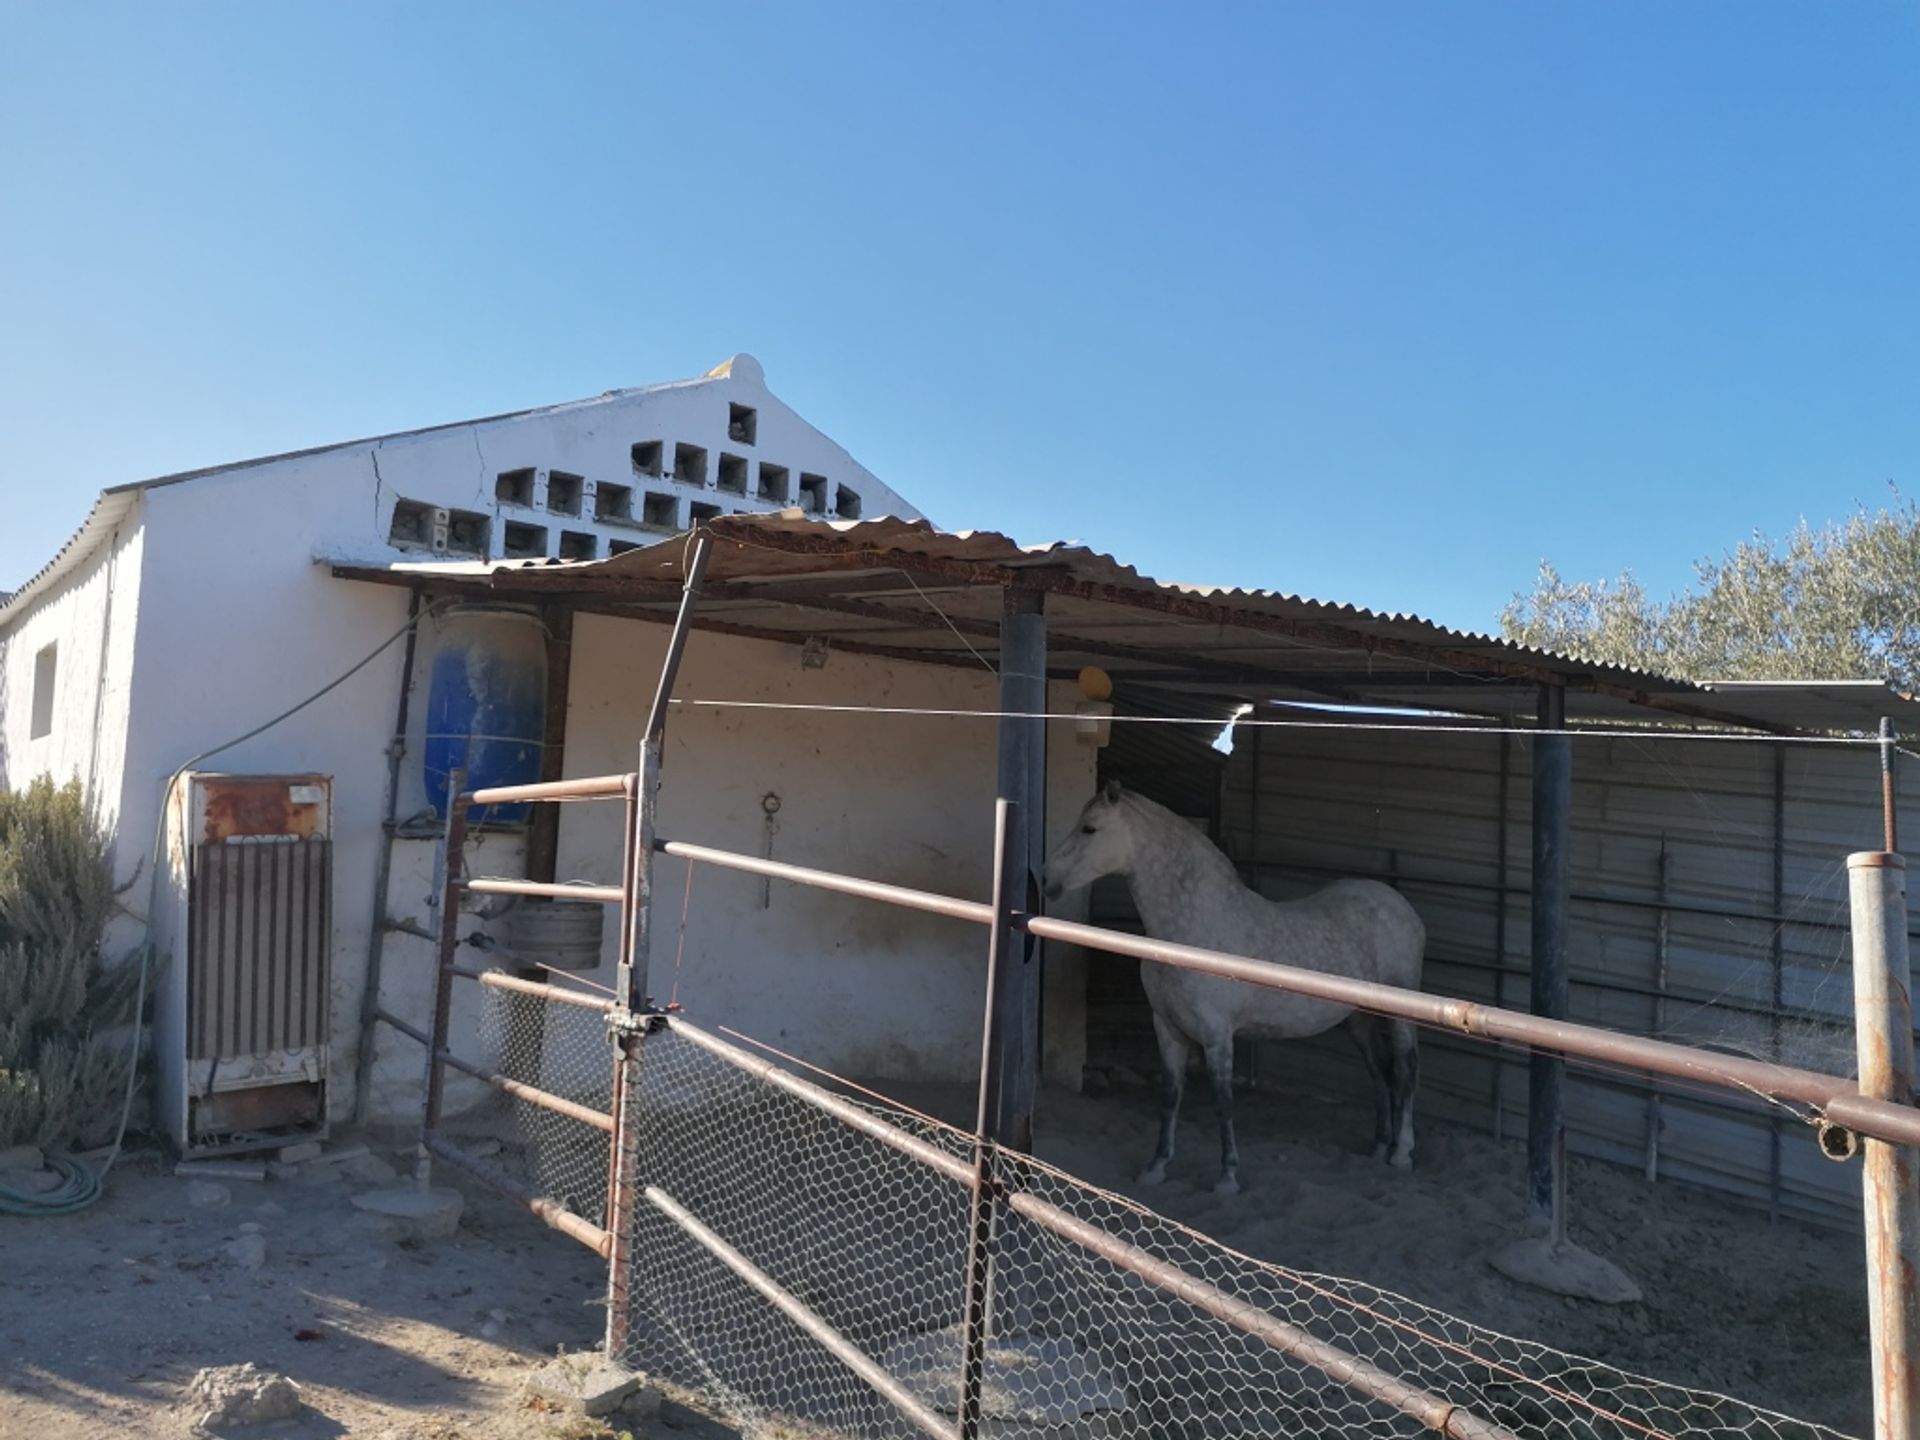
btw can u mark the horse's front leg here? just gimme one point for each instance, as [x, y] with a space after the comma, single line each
[1174, 1051]
[1220, 1070]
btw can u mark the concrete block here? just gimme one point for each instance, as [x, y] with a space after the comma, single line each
[299, 1154]
[406, 1213]
[587, 1384]
[22, 1157]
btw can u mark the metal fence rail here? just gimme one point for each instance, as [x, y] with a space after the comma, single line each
[800, 1258]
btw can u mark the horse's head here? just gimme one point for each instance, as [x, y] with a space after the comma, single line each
[1101, 844]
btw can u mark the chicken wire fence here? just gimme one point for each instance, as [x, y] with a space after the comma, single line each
[807, 1272]
[562, 1049]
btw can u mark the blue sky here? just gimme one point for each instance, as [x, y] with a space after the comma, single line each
[1381, 302]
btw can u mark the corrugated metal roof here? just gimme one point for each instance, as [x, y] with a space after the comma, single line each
[107, 513]
[898, 587]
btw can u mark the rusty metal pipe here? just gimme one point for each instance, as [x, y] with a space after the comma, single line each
[1433, 1411]
[973, 911]
[830, 1339]
[387, 1017]
[635, 896]
[977, 1295]
[1890, 1174]
[500, 885]
[1347, 1369]
[555, 1214]
[1843, 1104]
[845, 1111]
[591, 787]
[532, 1094]
[500, 980]
[453, 844]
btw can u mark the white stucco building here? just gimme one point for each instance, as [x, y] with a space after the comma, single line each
[191, 608]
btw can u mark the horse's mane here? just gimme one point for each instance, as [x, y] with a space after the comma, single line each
[1182, 835]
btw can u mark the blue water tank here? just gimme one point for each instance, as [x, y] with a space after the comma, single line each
[486, 706]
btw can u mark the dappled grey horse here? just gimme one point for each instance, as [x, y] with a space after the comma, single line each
[1188, 892]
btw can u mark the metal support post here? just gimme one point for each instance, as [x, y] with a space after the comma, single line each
[1013, 1067]
[451, 846]
[977, 1304]
[1890, 1180]
[635, 943]
[370, 1013]
[1546, 1074]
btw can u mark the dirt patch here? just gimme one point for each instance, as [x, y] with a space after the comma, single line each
[111, 1313]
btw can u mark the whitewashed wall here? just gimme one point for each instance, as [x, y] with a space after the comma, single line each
[89, 616]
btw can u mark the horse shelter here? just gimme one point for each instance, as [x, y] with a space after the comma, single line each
[1654, 860]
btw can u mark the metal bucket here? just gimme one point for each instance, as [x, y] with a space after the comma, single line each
[562, 933]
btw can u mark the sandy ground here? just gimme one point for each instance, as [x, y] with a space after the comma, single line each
[106, 1316]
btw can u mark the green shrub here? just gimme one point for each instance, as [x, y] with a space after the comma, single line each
[64, 1047]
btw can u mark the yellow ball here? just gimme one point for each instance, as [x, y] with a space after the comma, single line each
[1095, 683]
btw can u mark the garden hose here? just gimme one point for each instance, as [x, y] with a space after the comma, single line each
[79, 1187]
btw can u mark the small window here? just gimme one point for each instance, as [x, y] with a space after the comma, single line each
[776, 484]
[742, 424]
[646, 459]
[514, 487]
[612, 502]
[733, 474]
[621, 547]
[412, 524]
[813, 493]
[690, 464]
[468, 533]
[563, 492]
[522, 542]
[578, 545]
[847, 504]
[660, 510]
[699, 510]
[45, 663]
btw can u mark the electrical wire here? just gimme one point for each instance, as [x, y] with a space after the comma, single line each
[80, 1187]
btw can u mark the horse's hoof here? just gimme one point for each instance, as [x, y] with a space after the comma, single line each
[1380, 1152]
[1153, 1175]
[1226, 1185]
[1401, 1160]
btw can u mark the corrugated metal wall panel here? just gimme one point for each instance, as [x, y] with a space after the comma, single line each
[257, 939]
[1422, 809]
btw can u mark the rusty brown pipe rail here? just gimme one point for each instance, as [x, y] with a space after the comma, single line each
[592, 787]
[540, 889]
[532, 1094]
[836, 1344]
[1838, 1099]
[1438, 1414]
[500, 980]
[974, 911]
[866, 1122]
[1432, 1411]
[387, 1017]
[551, 1211]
